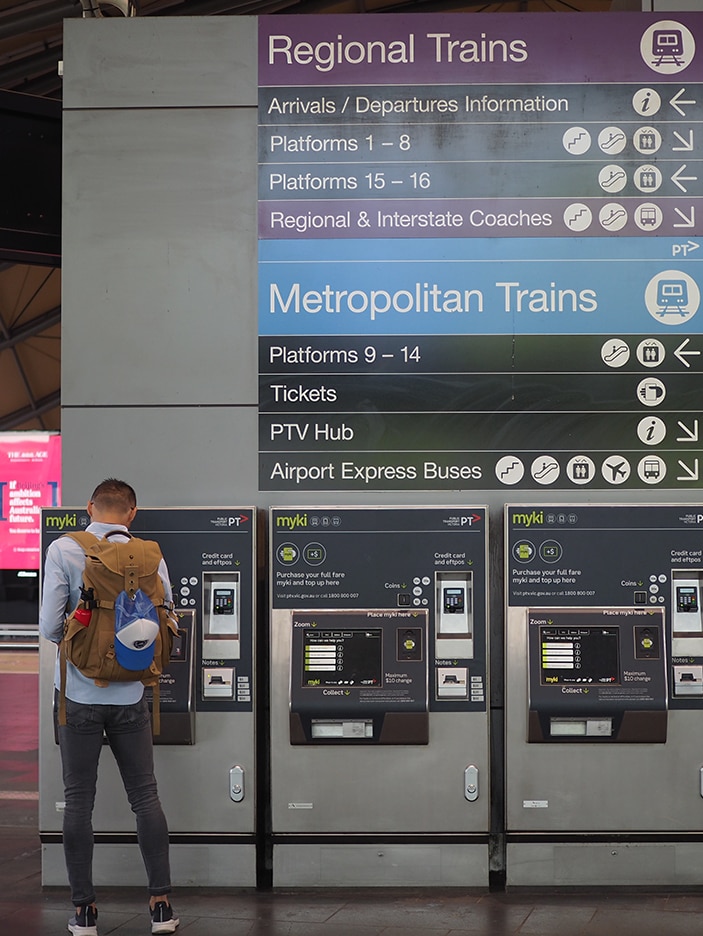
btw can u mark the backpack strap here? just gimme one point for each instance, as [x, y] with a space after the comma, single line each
[62, 690]
[156, 709]
[85, 540]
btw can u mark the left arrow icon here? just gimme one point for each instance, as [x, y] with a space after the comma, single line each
[677, 100]
[682, 355]
[678, 178]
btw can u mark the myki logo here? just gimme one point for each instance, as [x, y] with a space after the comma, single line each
[528, 519]
[66, 522]
[292, 521]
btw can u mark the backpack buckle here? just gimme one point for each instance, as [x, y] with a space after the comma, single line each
[88, 598]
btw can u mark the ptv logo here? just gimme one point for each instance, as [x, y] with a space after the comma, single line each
[237, 521]
[462, 521]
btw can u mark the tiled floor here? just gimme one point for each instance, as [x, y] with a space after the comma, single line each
[27, 910]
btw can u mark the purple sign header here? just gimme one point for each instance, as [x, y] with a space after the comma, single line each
[470, 48]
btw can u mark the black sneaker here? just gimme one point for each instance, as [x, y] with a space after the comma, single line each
[163, 919]
[83, 923]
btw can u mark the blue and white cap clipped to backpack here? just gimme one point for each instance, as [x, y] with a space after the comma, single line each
[136, 629]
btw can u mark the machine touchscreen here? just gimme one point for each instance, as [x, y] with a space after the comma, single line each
[579, 655]
[344, 657]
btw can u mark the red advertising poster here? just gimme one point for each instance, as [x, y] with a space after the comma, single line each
[30, 478]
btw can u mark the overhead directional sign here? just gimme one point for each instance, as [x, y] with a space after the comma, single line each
[479, 251]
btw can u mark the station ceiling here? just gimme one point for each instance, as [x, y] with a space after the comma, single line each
[31, 47]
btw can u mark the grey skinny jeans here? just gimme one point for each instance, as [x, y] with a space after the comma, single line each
[128, 731]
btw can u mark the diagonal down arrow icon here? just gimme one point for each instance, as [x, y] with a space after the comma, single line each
[686, 144]
[686, 222]
[691, 474]
[689, 434]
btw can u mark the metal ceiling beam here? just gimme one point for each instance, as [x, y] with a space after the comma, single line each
[35, 410]
[48, 85]
[30, 66]
[37, 325]
[20, 370]
[52, 14]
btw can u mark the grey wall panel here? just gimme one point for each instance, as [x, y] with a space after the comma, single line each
[120, 865]
[160, 62]
[159, 287]
[193, 456]
[51, 786]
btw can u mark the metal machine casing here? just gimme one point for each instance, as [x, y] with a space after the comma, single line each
[603, 694]
[379, 744]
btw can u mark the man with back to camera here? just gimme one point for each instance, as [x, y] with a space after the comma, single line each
[120, 711]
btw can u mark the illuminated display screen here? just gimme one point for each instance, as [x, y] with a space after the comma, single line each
[343, 657]
[579, 655]
[30, 478]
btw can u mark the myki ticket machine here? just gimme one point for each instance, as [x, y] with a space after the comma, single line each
[379, 726]
[604, 695]
[205, 752]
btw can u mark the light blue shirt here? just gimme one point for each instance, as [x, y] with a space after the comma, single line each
[61, 588]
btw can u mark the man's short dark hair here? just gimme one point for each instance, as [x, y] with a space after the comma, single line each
[112, 494]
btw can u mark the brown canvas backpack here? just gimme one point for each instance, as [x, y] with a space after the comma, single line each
[113, 567]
